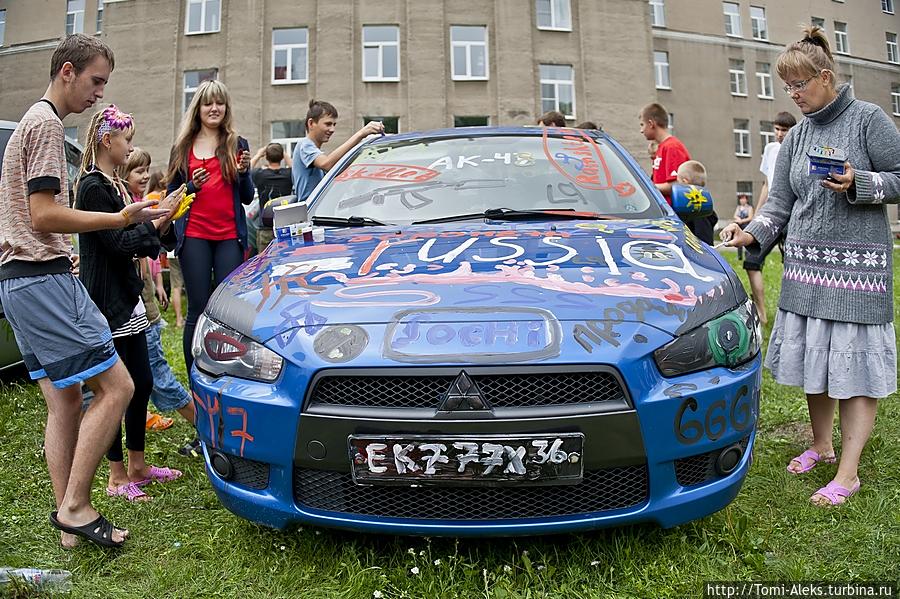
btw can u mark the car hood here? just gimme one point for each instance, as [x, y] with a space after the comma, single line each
[654, 272]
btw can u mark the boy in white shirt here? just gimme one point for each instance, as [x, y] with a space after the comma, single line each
[753, 262]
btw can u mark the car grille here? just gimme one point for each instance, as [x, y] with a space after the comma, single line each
[600, 490]
[700, 468]
[500, 390]
[249, 473]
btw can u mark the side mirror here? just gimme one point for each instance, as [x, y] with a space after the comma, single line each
[691, 201]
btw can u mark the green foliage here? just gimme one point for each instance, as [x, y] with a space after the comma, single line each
[185, 544]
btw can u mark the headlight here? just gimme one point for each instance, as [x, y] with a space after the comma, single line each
[219, 350]
[729, 340]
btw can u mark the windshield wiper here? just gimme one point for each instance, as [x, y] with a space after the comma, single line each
[349, 221]
[511, 215]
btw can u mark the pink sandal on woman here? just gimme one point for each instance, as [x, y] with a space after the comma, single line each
[834, 494]
[160, 475]
[808, 460]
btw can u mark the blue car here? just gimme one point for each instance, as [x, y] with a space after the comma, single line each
[505, 331]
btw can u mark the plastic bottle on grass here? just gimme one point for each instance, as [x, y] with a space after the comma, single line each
[45, 580]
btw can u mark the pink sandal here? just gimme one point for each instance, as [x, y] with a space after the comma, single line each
[130, 491]
[160, 475]
[835, 493]
[808, 460]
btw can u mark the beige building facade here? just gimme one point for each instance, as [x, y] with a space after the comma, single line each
[424, 64]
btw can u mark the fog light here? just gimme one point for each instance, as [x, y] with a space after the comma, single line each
[729, 458]
[221, 464]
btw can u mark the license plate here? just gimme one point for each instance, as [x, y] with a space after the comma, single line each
[461, 460]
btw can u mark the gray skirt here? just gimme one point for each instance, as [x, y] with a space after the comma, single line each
[844, 359]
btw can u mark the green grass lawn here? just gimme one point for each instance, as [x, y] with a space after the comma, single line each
[184, 544]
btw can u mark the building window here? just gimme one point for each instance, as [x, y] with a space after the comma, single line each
[732, 19]
[468, 53]
[758, 23]
[661, 66]
[192, 80]
[841, 40]
[658, 13]
[287, 133]
[381, 53]
[99, 16]
[290, 55]
[672, 123]
[203, 16]
[893, 54]
[554, 14]
[738, 77]
[895, 98]
[764, 76]
[741, 137]
[558, 89]
[887, 6]
[74, 16]
[818, 22]
[391, 123]
[766, 133]
[2, 26]
[745, 188]
[470, 121]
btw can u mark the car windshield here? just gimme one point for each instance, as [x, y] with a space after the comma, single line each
[407, 181]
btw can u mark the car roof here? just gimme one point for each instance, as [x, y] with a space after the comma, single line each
[532, 131]
[8, 124]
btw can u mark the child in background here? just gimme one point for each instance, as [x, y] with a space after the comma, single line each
[743, 214]
[157, 183]
[168, 394]
[692, 172]
[109, 272]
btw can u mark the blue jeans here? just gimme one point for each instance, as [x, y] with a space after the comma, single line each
[168, 394]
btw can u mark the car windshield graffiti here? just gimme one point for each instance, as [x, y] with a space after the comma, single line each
[564, 169]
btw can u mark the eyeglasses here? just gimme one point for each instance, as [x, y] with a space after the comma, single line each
[799, 86]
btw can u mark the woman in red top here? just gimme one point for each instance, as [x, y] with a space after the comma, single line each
[214, 162]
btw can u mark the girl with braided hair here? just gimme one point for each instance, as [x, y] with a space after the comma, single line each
[109, 271]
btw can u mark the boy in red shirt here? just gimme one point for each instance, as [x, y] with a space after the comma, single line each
[670, 153]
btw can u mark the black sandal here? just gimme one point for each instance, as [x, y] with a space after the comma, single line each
[99, 531]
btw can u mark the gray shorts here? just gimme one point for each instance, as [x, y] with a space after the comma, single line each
[60, 331]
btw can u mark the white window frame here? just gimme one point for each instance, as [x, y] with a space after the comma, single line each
[738, 78]
[203, 4]
[556, 83]
[185, 89]
[658, 13]
[893, 49]
[287, 142]
[764, 77]
[732, 19]
[841, 39]
[759, 29]
[662, 74]
[77, 25]
[99, 16]
[289, 48]
[380, 46]
[741, 139]
[819, 22]
[766, 133]
[555, 25]
[741, 192]
[895, 99]
[2, 27]
[887, 6]
[672, 123]
[468, 45]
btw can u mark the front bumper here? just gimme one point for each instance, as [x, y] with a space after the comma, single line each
[649, 459]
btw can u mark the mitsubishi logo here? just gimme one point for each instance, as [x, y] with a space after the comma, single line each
[463, 395]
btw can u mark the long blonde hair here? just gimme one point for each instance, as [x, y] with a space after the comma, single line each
[226, 150]
[809, 56]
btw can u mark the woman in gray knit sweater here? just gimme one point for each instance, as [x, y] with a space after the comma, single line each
[833, 334]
